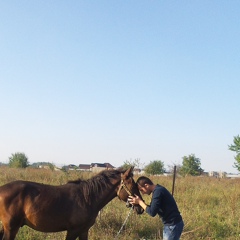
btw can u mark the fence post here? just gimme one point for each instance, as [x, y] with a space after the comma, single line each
[174, 177]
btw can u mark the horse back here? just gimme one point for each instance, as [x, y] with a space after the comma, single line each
[23, 193]
[43, 207]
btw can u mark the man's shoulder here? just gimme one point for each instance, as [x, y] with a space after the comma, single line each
[160, 188]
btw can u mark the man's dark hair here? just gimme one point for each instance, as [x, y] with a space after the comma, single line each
[144, 180]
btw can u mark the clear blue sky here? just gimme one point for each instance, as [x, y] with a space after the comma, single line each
[110, 81]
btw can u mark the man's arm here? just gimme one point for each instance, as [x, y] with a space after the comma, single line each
[136, 200]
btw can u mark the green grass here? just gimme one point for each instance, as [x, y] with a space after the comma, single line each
[209, 206]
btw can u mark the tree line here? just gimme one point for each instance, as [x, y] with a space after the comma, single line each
[191, 165]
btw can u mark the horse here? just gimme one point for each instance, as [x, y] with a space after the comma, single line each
[72, 207]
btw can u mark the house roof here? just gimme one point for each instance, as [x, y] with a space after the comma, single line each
[84, 166]
[102, 165]
[98, 165]
[108, 165]
[72, 166]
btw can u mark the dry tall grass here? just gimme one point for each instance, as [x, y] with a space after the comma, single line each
[209, 206]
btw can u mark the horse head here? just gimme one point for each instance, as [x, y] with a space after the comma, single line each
[128, 187]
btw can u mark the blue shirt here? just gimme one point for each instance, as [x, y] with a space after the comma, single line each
[164, 205]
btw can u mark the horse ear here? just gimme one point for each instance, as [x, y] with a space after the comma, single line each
[129, 172]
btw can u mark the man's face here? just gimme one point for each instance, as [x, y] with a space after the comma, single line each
[144, 189]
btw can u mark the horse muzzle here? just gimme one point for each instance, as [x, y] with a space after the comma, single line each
[138, 209]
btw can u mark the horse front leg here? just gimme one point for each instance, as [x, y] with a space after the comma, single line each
[83, 236]
[72, 235]
[6, 234]
[1, 233]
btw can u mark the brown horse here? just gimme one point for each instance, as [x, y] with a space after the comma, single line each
[72, 207]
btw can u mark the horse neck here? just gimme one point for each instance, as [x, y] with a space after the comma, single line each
[107, 195]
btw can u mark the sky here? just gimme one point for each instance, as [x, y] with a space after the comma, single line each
[113, 81]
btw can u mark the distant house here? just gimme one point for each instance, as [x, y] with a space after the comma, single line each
[98, 167]
[213, 174]
[44, 166]
[219, 174]
[232, 176]
[72, 167]
[222, 174]
[84, 167]
[167, 174]
[93, 167]
[109, 166]
[205, 174]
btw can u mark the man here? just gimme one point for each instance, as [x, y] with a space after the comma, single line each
[163, 204]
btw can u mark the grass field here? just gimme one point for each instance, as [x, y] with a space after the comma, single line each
[210, 208]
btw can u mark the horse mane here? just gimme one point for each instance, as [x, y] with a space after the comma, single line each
[92, 188]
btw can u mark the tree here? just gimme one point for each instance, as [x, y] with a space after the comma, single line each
[171, 168]
[236, 148]
[155, 167]
[18, 160]
[129, 163]
[191, 166]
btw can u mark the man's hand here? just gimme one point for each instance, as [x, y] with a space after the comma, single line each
[137, 200]
[133, 200]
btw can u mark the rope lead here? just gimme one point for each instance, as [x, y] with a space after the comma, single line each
[124, 223]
